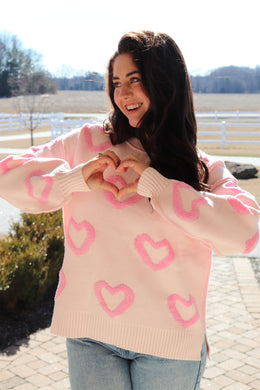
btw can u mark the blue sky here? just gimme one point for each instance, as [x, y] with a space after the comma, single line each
[84, 34]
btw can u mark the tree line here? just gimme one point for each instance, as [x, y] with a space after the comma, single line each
[21, 70]
[22, 74]
[228, 79]
[231, 79]
[91, 81]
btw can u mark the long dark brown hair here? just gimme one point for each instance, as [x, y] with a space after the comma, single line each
[168, 130]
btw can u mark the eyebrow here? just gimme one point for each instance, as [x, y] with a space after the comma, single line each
[128, 74]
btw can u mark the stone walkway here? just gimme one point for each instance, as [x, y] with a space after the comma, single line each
[233, 319]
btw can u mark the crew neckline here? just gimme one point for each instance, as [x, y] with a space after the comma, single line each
[135, 143]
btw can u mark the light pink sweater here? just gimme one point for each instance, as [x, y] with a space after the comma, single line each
[136, 271]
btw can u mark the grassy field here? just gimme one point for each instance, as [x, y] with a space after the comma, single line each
[96, 102]
[226, 102]
[65, 101]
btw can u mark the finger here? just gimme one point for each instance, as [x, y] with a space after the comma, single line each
[104, 161]
[96, 181]
[131, 157]
[112, 155]
[122, 168]
[137, 166]
[109, 187]
[126, 164]
[128, 189]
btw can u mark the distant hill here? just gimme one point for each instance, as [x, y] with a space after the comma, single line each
[228, 79]
[91, 81]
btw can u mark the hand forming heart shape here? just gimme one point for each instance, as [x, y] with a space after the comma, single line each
[93, 172]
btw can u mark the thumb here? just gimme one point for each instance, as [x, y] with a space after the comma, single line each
[128, 189]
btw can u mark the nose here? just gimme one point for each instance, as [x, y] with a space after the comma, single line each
[125, 90]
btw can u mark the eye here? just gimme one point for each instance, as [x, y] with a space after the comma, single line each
[116, 84]
[135, 80]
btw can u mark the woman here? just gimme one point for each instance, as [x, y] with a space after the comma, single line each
[143, 210]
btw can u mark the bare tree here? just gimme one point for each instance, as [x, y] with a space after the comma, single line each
[31, 109]
[33, 99]
[23, 77]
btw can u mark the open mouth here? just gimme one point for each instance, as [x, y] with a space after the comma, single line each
[132, 107]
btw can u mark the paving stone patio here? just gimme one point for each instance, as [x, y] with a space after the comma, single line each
[233, 322]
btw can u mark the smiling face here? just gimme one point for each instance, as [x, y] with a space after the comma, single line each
[129, 92]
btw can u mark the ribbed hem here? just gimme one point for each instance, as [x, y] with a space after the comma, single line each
[151, 183]
[166, 343]
[72, 181]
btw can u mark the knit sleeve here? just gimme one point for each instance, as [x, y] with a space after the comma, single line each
[44, 178]
[225, 218]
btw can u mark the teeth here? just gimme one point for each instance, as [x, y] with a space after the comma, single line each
[133, 106]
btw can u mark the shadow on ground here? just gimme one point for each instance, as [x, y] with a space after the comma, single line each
[15, 328]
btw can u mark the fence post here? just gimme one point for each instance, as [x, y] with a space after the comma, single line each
[223, 134]
[10, 123]
[21, 122]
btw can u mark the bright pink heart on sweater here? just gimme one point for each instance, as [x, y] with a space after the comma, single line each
[185, 323]
[92, 146]
[251, 243]
[46, 147]
[238, 206]
[120, 204]
[62, 283]
[232, 187]
[4, 164]
[180, 200]
[35, 148]
[88, 240]
[14, 162]
[44, 180]
[124, 303]
[164, 262]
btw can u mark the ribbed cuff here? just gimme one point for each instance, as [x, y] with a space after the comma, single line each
[151, 183]
[72, 181]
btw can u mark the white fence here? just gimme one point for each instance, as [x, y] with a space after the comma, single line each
[223, 134]
[59, 127]
[15, 122]
[237, 116]
[59, 124]
[242, 120]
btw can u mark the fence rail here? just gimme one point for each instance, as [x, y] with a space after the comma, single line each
[60, 124]
[224, 134]
[59, 127]
[231, 115]
[15, 122]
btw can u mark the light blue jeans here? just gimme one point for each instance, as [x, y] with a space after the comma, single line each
[97, 366]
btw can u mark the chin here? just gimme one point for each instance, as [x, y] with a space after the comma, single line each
[134, 124]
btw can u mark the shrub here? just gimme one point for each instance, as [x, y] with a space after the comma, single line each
[30, 259]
